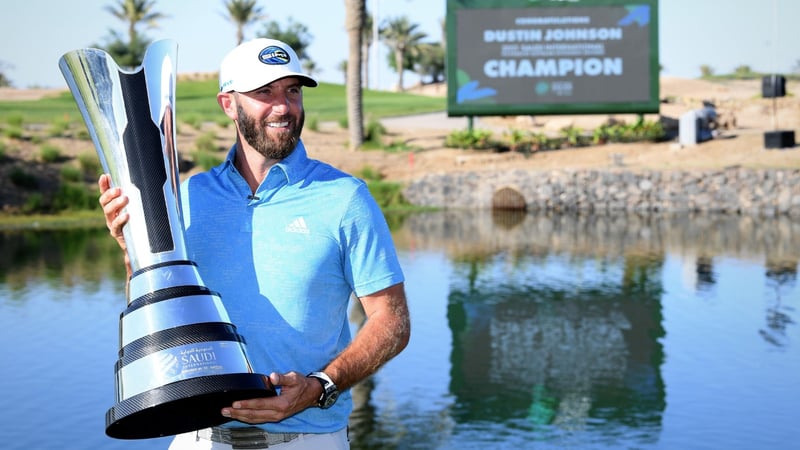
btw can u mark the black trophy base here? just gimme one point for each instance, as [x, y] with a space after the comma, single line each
[183, 406]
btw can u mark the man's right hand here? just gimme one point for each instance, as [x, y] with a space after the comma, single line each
[113, 202]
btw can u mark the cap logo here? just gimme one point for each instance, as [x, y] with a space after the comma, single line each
[274, 55]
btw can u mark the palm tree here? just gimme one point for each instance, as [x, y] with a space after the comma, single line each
[290, 31]
[355, 11]
[243, 13]
[135, 12]
[310, 67]
[430, 61]
[402, 37]
[366, 43]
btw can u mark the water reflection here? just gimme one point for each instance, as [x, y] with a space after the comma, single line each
[708, 236]
[60, 257]
[559, 355]
[570, 331]
[557, 322]
[782, 277]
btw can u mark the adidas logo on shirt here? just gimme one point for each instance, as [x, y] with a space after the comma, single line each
[297, 226]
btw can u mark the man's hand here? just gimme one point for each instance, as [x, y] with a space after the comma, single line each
[297, 392]
[113, 202]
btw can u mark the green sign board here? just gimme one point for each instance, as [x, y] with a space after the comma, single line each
[519, 57]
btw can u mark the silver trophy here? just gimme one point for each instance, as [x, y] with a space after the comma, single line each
[181, 359]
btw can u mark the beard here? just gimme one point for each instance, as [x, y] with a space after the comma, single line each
[277, 146]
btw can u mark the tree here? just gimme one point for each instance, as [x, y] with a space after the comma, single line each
[295, 34]
[355, 12]
[402, 37]
[243, 13]
[342, 67]
[134, 13]
[366, 43]
[744, 72]
[431, 61]
[706, 71]
[4, 81]
[310, 67]
[127, 54]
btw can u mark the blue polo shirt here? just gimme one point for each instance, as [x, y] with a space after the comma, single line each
[286, 263]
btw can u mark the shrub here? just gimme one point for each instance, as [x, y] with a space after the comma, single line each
[71, 174]
[206, 160]
[601, 134]
[469, 139]
[83, 134]
[374, 132]
[193, 121]
[58, 128]
[572, 136]
[13, 132]
[540, 141]
[222, 122]
[50, 153]
[90, 164]
[74, 197]
[15, 120]
[651, 131]
[205, 143]
[398, 146]
[519, 141]
[387, 194]
[368, 173]
[34, 203]
[312, 123]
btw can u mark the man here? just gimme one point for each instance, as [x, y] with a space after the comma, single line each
[286, 240]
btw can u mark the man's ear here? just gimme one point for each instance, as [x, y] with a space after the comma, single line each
[227, 101]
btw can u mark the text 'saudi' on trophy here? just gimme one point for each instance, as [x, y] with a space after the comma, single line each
[181, 359]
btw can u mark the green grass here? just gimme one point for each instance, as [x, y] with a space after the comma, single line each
[195, 104]
[197, 99]
[63, 220]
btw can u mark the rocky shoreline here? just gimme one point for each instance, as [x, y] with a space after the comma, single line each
[752, 192]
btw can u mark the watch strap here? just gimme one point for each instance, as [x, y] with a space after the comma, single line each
[329, 390]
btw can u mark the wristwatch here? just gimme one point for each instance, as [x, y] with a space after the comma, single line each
[329, 390]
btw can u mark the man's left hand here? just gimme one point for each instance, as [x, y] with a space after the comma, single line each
[297, 392]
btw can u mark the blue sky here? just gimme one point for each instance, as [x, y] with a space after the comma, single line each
[720, 33]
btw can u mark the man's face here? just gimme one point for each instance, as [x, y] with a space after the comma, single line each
[271, 118]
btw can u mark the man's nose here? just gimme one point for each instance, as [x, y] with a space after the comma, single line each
[282, 103]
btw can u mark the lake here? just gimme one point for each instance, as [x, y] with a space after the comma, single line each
[528, 331]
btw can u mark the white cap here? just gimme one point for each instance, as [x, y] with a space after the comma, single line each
[260, 62]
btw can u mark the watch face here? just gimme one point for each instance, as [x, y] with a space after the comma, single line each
[329, 390]
[330, 399]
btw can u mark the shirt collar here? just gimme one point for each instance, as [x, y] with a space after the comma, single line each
[293, 165]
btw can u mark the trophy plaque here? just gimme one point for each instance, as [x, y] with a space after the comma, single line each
[181, 359]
